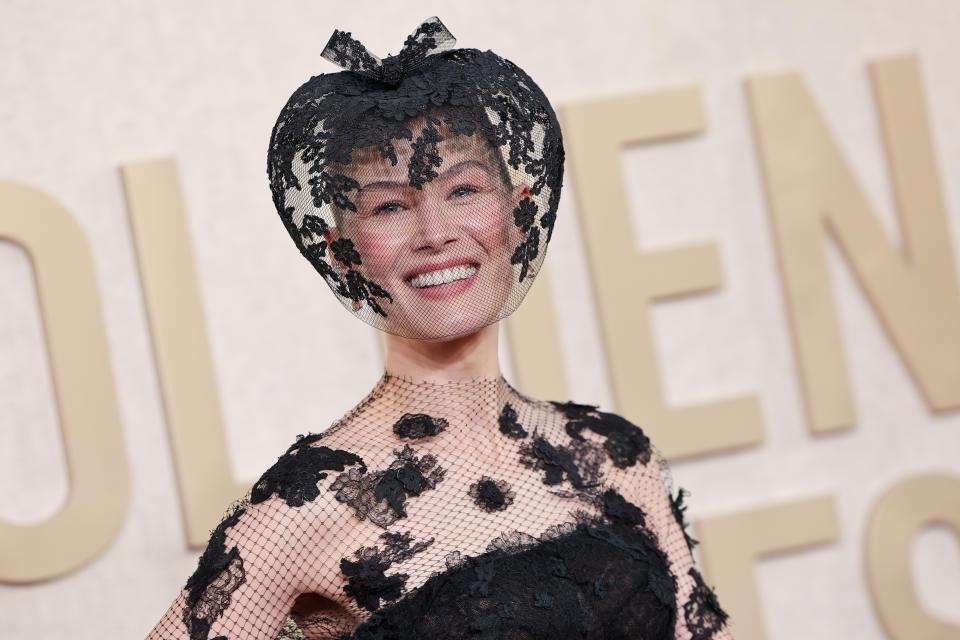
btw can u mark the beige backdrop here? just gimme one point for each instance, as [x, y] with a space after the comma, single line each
[781, 182]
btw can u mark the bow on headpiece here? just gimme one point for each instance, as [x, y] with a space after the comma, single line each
[429, 38]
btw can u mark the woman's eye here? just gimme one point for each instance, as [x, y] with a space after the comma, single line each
[388, 207]
[463, 190]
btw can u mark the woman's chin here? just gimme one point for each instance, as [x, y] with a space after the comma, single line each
[439, 323]
[450, 311]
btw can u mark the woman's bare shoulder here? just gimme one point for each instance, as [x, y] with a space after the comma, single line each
[625, 441]
[303, 482]
[297, 475]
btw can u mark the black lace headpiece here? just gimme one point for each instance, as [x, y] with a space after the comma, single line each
[422, 186]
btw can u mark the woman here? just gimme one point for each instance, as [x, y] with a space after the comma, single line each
[423, 188]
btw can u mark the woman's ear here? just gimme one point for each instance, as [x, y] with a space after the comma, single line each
[334, 234]
[520, 192]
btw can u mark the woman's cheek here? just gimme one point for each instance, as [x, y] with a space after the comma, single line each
[378, 251]
[491, 228]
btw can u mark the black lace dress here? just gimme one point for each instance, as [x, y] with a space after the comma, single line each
[454, 510]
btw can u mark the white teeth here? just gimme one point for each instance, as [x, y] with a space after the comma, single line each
[443, 276]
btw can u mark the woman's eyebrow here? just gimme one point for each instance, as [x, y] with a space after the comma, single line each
[455, 169]
[463, 164]
[384, 184]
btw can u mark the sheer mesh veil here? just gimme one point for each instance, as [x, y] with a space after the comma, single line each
[423, 188]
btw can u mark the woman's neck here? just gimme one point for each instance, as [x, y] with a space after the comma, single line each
[467, 357]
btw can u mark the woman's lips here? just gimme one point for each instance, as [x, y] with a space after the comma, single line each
[446, 280]
[442, 276]
[438, 266]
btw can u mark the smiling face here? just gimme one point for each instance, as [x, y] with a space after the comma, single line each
[442, 251]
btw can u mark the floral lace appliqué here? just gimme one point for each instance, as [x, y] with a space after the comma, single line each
[619, 509]
[294, 476]
[368, 583]
[678, 508]
[381, 495]
[702, 611]
[509, 424]
[219, 573]
[491, 495]
[625, 443]
[558, 462]
[419, 425]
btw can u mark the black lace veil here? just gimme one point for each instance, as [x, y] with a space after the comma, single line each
[423, 186]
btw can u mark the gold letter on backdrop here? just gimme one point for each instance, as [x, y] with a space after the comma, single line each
[535, 345]
[626, 282]
[811, 189]
[180, 345]
[899, 515]
[84, 388]
[731, 545]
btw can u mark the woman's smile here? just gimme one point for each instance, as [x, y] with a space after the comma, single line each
[444, 283]
[441, 274]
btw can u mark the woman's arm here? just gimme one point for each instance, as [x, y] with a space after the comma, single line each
[245, 581]
[699, 614]
[267, 550]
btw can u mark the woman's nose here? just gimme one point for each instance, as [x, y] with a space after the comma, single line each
[435, 226]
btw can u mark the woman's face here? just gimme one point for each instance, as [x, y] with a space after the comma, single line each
[443, 251]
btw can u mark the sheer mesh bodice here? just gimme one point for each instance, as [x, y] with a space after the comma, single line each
[454, 510]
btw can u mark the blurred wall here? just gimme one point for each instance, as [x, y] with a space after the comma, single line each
[819, 437]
